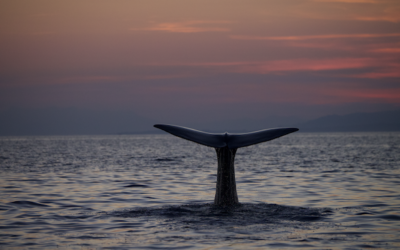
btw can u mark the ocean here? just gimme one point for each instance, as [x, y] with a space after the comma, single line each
[303, 190]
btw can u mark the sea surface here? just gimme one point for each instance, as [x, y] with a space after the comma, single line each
[302, 191]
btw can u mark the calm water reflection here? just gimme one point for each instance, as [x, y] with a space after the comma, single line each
[330, 190]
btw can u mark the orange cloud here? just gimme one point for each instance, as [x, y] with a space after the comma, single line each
[379, 68]
[188, 27]
[297, 38]
[390, 14]
[387, 50]
[360, 10]
[168, 76]
[349, 1]
[388, 73]
[282, 66]
[392, 19]
[298, 65]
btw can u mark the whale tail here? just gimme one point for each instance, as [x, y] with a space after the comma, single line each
[226, 146]
[221, 140]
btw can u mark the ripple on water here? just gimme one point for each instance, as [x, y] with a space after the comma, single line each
[241, 214]
[27, 204]
[109, 191]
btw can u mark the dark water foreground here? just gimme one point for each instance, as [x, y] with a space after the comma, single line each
[308, 191]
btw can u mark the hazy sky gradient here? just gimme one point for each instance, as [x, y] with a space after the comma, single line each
[181, 59]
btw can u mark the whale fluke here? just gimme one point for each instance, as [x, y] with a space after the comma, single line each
[203, 138]
[225, 139]
[247, 139]
[226, 145]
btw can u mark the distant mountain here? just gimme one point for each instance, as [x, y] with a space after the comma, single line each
[247, 125]
[71, 121]
[362, 122]
[74, 121]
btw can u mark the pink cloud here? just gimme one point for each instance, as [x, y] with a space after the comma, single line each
[284, 65]
[297, 38]
[393, 73]
[167, 76]
[306, 65]
[336, 42]
[387, 50]
[385, 68]
[392, 19]
[379, 67]
[188, 27]
[382, 68]
[349, 1]
[379, 56]
[390, 14]
[265, 67]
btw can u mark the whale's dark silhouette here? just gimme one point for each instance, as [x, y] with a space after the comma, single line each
[226, 145]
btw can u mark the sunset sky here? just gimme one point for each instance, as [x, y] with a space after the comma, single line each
[183, 59]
